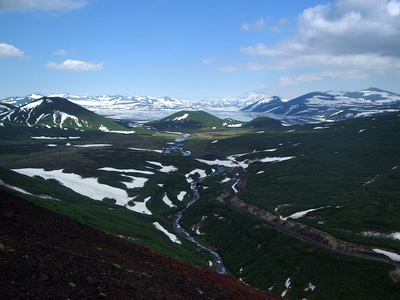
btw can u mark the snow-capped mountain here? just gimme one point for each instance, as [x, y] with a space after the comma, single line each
[57, 112]
[318, 106]
[311, 107]
[107, 103]
[228, 103]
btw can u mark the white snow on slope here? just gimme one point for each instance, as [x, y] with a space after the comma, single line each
[181, 195]
[136, 182]
[181, 117]
[201, 173]
[167, 201]
[164, 169]
[89, 187]
[391, 255]
[105, 129]
[126, 170]
[141, 149]
[93, 145]
[301, 214]
[171, 236]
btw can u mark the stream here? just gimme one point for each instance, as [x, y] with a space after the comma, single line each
[220, 268]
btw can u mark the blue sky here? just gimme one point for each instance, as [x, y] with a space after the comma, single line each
[196, 49]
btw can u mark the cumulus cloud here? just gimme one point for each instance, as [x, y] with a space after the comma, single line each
[74, 65]
[350, 34]
[47, 5]
[10, 51]
[259, 25]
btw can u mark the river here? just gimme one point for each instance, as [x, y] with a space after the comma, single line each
[220, 267]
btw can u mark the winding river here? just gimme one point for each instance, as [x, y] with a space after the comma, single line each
[220, 267]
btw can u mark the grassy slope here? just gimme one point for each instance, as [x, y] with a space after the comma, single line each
[268, 258]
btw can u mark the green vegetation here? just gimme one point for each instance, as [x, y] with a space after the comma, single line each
[350, 170]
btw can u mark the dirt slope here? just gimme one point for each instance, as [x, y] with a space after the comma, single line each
[47, 255]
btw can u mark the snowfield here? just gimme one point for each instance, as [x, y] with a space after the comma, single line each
[89, 187]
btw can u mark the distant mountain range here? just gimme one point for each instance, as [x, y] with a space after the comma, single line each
[318, 106]
[311, 107]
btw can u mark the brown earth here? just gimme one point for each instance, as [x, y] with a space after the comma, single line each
[45, 255]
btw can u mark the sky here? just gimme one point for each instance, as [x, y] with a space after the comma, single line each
[198, 49]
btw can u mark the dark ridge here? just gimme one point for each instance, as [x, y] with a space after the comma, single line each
[45, 255]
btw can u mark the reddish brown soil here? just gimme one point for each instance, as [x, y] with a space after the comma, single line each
[45, 255]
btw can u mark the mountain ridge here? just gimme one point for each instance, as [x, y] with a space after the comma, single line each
[315, 106]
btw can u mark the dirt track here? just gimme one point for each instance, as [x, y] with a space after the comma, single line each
[306, 233]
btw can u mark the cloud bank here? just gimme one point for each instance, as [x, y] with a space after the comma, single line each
[74, 65]
[47, 5]
[349, 37]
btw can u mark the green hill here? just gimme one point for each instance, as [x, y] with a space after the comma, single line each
[191, 120]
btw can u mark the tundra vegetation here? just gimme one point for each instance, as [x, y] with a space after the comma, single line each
[346, 174]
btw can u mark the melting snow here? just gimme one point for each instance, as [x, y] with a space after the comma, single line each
[300, 214]
[137, 182]
[105, 129]
[126, 170]
[164, 169]
[310, 287]
[93, 145]
[391, 255]
[287, 286]
[181, 195]
[202, 174]
[89, 187]
[167, 201]
[171, 236]
[181, 117]
[140, 149]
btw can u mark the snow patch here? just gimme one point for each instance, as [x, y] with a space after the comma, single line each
[181, 195]
[171, 236]
[89, 187]
[300, 214]
[167, 201]
[164, 169]
[125, 170]
[391, 255]
[185, 116]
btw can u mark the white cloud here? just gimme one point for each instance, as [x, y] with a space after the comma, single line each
[74, 65]
[351, 74]
[23, 5]
[259, 25]
[61, 52]
[209, 60]
[350, 35]
[10, 51]
[393, 8]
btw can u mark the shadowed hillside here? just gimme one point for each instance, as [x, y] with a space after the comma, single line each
[47, 255]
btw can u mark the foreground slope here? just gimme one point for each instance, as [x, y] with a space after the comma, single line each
[47, 255]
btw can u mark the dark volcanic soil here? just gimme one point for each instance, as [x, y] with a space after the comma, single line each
[47, 255]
